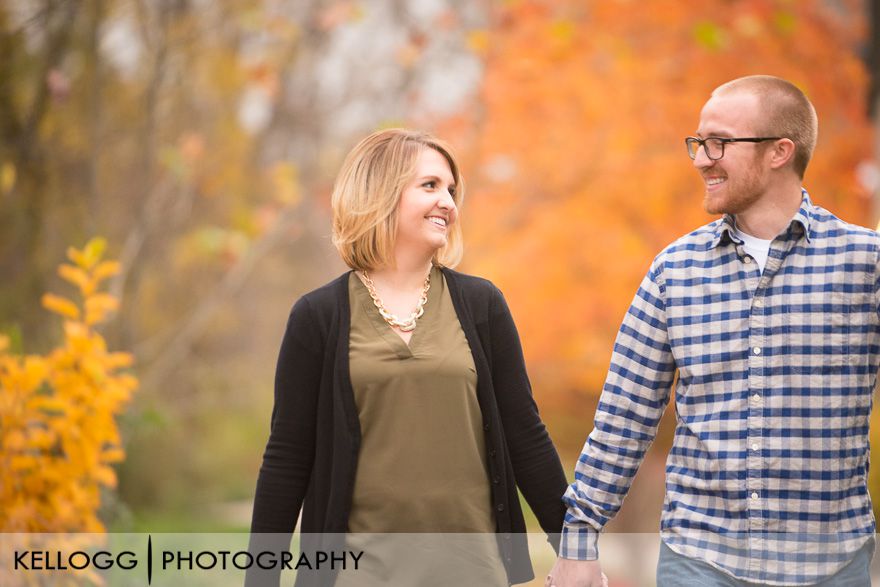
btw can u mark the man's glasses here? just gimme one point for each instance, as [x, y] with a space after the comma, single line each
[714, 146]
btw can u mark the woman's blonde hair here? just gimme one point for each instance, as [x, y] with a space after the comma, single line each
[367, 193]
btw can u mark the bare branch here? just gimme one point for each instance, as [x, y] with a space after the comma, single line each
[180, 345]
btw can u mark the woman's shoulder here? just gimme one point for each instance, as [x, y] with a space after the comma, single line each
[471, 286]
[325, 299]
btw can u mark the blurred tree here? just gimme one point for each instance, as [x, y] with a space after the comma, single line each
[578, 176]
[577, 164]
[31, 82]
[202, 139]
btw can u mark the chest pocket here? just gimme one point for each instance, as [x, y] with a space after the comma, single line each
[821, 329]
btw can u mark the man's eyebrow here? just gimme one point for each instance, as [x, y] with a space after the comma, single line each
[720, 135]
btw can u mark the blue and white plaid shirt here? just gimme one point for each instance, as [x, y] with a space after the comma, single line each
[767, 475]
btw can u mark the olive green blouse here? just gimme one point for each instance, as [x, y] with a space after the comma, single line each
[422, 464]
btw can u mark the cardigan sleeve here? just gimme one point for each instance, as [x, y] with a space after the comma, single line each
[289, 455]
[538, 471]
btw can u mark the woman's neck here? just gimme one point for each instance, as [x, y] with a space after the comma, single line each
[402, 277]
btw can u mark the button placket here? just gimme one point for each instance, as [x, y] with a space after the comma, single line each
[757, 497]
[757, 359]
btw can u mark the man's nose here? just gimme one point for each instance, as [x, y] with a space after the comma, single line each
[701, 159]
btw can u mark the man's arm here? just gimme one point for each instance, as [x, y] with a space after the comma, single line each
[633, 398]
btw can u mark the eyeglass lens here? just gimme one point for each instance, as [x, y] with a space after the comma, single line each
[713, 147]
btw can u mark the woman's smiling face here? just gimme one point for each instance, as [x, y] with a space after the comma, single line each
[427, 206]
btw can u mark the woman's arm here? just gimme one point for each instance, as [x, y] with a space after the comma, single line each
[536, 464]
[289, 455]
[287, 460]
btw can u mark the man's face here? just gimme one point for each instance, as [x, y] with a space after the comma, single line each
[736, 181]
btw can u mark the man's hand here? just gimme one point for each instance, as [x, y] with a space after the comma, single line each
[574, 573]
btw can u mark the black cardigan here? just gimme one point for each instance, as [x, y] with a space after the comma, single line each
[311, 457]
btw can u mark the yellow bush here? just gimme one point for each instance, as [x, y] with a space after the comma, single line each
[58, 432]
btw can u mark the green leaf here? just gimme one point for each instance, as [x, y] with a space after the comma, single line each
[710, 36]
[785, 22]
[94, 250]
[562, 30]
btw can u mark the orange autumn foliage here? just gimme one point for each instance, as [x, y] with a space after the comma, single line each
[58, 434]
[575, 159]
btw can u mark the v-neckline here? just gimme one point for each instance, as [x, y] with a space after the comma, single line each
[403, 349]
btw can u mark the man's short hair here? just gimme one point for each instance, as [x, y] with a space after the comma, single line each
[786, 112]
[367, 193]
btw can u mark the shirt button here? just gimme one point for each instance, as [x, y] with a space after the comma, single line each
[755, 495]
[496, 480]
[759, 302]
[747, 260]
[757, 350]
[756, 397]
[755, 446]
[500, 507]
[486, 426]
[492, 453]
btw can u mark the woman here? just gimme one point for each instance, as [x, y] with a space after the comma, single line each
[402, 402]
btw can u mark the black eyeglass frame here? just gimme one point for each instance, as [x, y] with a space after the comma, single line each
[723, 141]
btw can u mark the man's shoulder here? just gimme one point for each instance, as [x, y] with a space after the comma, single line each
[700, 240]
[826, 226]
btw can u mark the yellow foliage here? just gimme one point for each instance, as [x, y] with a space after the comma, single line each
[106, 269]
[76, 276]
[478, 41]
[7, 177]
[89, 256]
[98, 306]
[60, 305]
[58, 433]
[285, 181]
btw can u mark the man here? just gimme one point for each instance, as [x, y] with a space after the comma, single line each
[769, 317]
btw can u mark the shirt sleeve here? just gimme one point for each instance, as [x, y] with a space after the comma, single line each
[876, 242]
[635, 393]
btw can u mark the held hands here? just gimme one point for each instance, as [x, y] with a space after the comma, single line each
[576, 573]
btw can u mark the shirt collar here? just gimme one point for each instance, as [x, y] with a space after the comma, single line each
[802, 220]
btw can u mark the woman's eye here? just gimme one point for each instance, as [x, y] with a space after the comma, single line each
[430, 184]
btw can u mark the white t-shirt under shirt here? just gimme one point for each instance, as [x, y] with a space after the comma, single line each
[758, 248]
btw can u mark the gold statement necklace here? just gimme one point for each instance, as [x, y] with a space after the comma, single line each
[409, 324]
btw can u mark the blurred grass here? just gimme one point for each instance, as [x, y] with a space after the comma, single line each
[222, 518]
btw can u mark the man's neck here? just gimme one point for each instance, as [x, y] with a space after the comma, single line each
[767, 217]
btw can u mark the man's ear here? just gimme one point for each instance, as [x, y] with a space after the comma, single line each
[781, 153]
